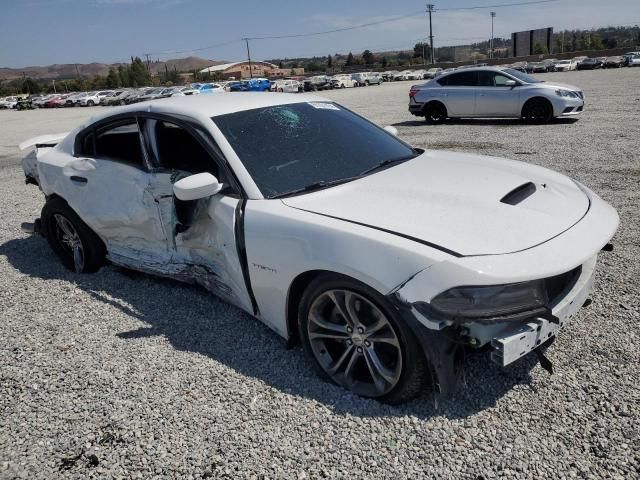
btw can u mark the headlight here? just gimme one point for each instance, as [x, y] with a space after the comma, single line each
[490, 301]
[565, 93]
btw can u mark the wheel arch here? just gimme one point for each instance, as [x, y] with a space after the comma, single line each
[536, 98]
[434, 102]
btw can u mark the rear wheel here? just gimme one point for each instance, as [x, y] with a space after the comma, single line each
[77, 246]
[358, 341]
[90, 103]
[435, 112]
[537, 110]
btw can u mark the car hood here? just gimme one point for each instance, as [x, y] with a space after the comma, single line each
[461, 203]
[556, 85]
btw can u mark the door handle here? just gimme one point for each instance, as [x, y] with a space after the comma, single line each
[75, 178]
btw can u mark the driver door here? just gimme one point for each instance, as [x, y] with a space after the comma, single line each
[206, 252]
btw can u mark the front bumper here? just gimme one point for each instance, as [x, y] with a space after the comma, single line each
[515, 341]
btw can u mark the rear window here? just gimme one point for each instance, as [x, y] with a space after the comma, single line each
[462, 79]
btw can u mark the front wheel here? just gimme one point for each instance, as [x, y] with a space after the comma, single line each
[537, 110]
[358, 340]
[77, 246]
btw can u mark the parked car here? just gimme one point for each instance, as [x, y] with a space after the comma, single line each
[627, 58]
[185, 91]
[26, 103]
[520, 66]
[614, 62]
[57, 101]
[208, 88]
[388, 75]
[494, 92]
[8, 103]
[634, 61]
[343, 81]
[565, 65]
[39, 101]
[252, 85]
[589, 64]
[537, 67]
[149, 94]
[364, 79]
[290, 238]
[118, 98]
[549, 64]
[286, 86]
[403, 75]
[432, 73]
[93, 98]
[319, 82]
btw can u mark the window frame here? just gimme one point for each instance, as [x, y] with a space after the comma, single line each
[197, 130]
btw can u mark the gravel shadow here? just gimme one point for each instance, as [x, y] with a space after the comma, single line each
[193, 320]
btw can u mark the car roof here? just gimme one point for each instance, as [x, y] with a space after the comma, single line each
[212, 105]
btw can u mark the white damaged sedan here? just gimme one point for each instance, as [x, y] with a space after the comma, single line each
[383, 260]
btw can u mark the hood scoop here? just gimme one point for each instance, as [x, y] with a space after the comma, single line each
[519, 194]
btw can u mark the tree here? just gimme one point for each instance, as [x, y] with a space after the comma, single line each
[596, 42]
[419, 49]
[349, 61]
[29, 85]
[329, 61]
[368, 57]
[113, 79]
[384, 62]
[538, 48]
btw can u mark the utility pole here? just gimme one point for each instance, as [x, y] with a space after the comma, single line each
[562, 44]
[54, 86]
[430, 9]
[493, 15]
[148, 66]
[249, 58]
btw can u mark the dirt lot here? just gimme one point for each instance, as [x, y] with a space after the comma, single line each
[122, 375]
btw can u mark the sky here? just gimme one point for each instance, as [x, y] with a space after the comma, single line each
[43, 32]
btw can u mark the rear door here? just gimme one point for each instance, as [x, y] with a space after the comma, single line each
[458, 93]
[494, 98]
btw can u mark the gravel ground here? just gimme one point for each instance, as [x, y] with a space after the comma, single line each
[121, 375]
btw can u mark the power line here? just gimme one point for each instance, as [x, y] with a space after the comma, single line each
[498, 5]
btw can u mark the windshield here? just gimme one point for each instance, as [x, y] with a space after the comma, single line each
[521, 76]
[289, 147]
[563, 62]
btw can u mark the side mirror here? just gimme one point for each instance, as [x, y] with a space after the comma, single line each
[392, 130]
[510, 83]
[187, 192]
[196, 187]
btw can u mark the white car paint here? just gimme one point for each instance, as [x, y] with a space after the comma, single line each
[410, 232]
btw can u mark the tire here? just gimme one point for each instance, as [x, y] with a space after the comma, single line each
[366, 83]
[62, 226]
[434, 113]
[90, 103]
[386, 364]
[537, 111]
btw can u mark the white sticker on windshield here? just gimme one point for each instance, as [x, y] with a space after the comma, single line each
[324, 106]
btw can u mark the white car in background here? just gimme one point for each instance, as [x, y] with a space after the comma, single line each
[364, 79]
[93, 98]
[343, 81]
[565, 65]
[286, 86]
[432, 73]
[8, 103]
[403, 75]
[416, 75]
[634, 61]
[382, 259]
[184, 91]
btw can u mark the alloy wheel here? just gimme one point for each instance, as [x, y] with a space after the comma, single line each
[68, 238]
[354, 342]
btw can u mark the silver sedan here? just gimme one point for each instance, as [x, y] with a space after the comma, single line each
[493, 92]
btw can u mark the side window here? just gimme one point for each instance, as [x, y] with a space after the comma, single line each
[177, 149]
[485, 79]
[462, 79]
[120, 141]
[500, 80]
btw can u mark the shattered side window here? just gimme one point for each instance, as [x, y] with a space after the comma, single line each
[287, 147]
